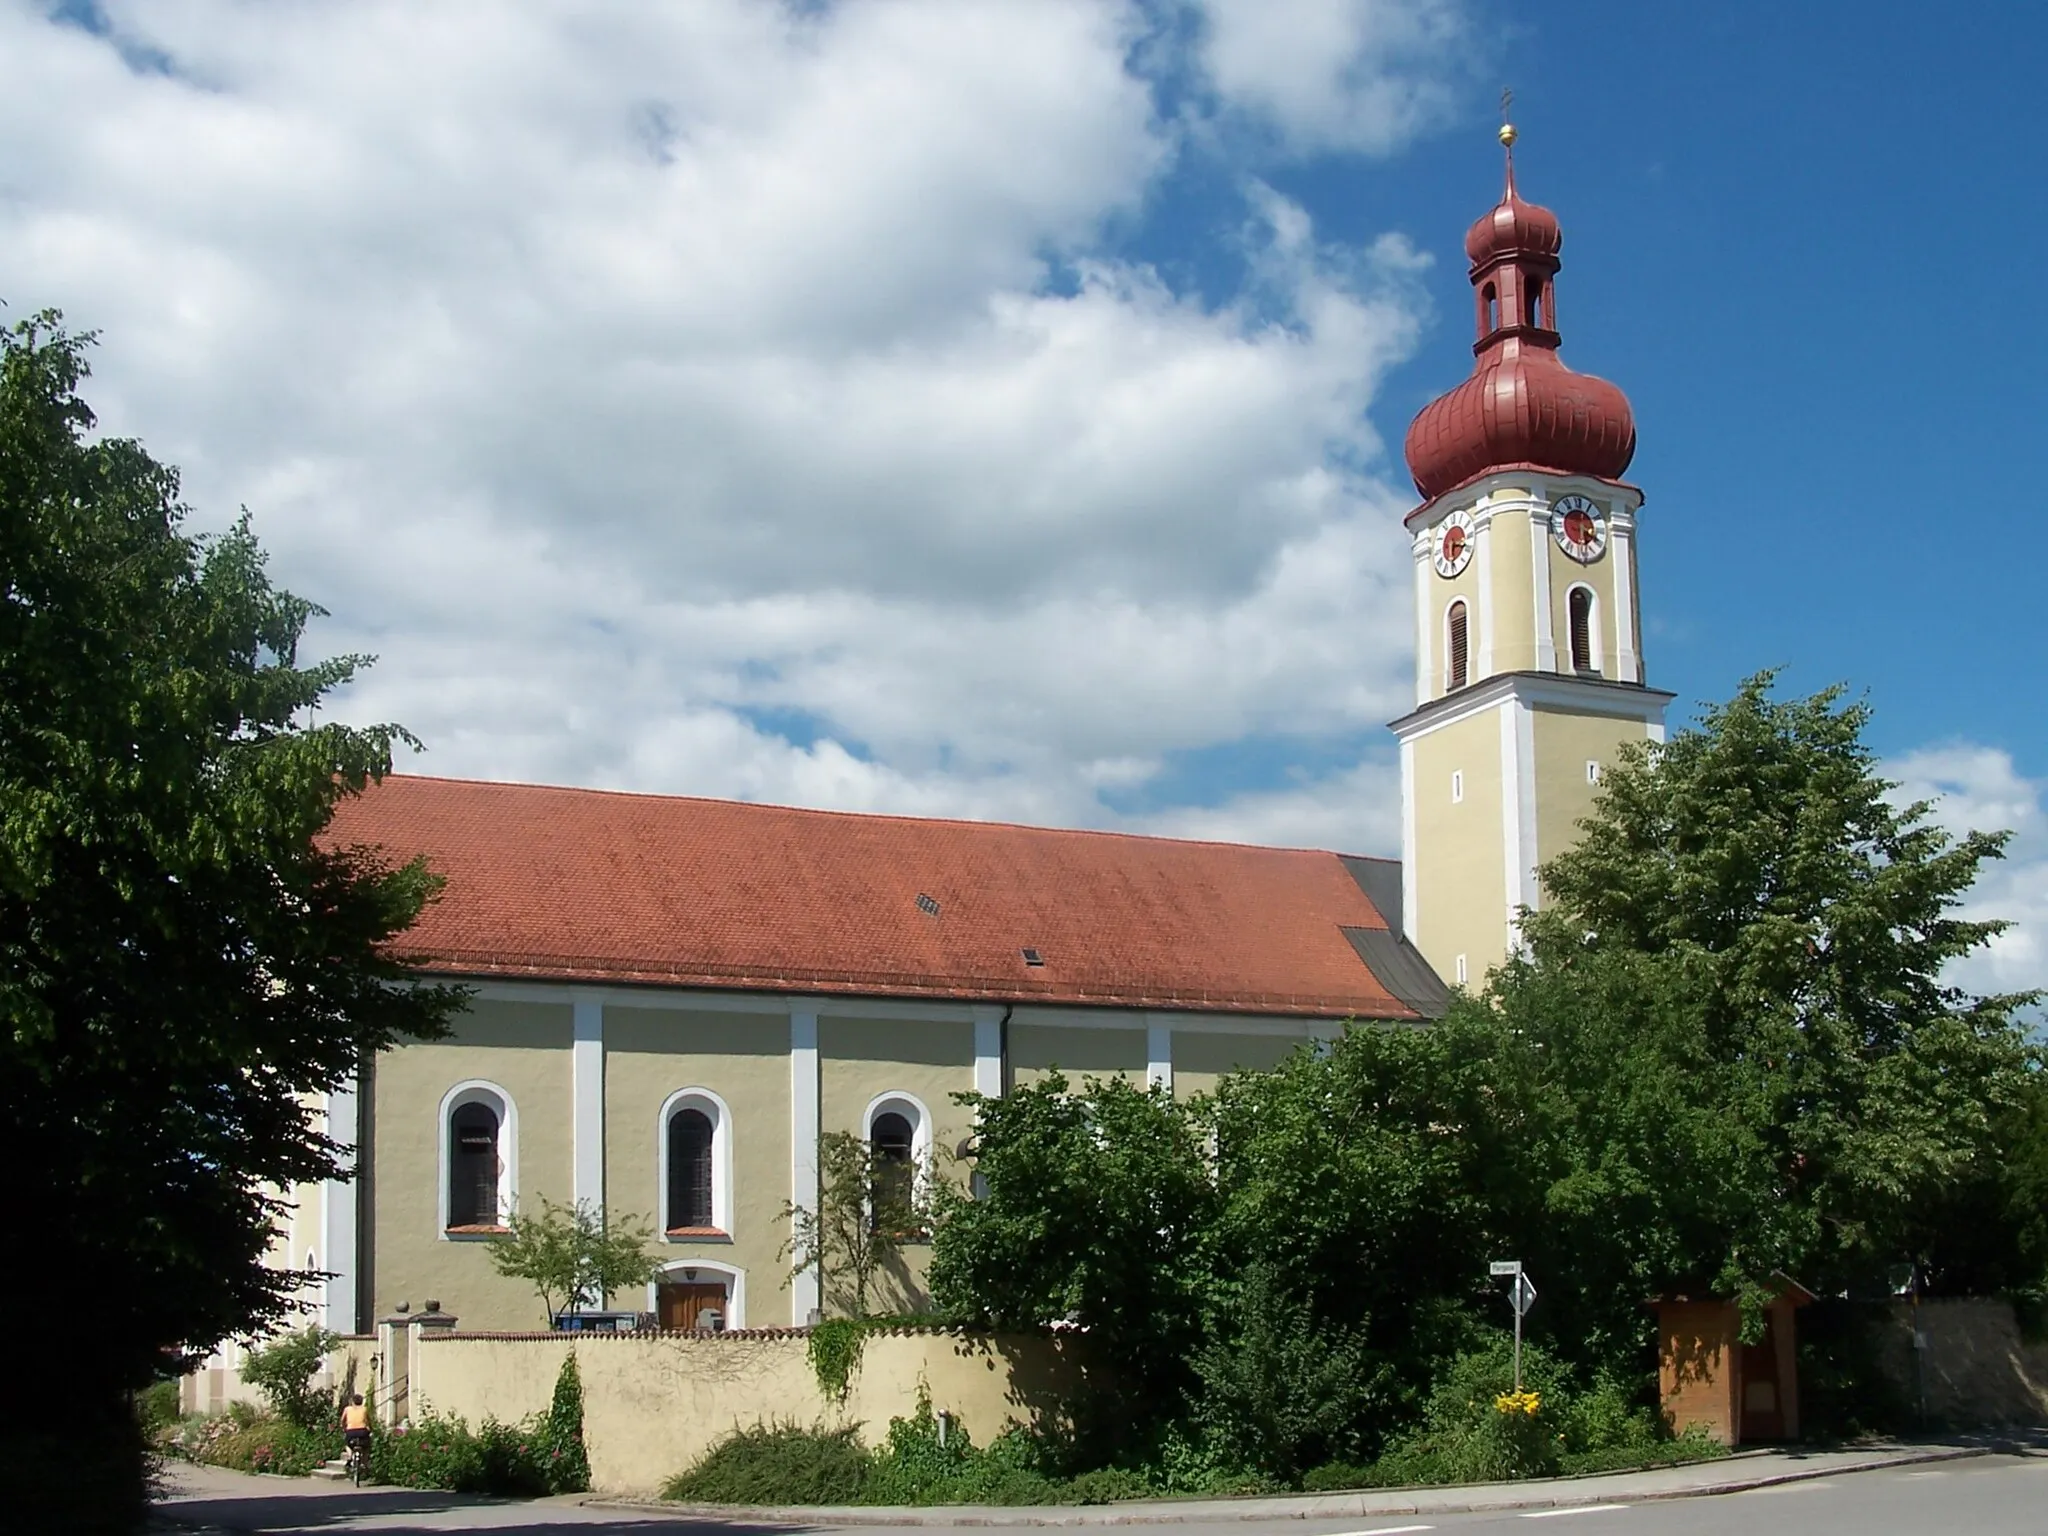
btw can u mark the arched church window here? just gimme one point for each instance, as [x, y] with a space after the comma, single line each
[893, 1141]
[1581, 614]
[1456, 668]
[690, 1136]
[1489, 303]
[1535, 305]
[473, 1167]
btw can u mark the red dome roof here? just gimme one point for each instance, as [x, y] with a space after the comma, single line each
[1512, 228]
[1521, 406]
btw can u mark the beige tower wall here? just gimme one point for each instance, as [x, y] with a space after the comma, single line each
[1459, 867]
[523, 1048]
[1565, 743]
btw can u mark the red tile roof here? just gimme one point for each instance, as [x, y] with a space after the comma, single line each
[587, 885]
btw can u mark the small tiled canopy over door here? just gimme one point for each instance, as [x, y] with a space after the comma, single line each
[681, 1306]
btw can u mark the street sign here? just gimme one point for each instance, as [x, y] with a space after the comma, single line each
[1504, 1267]
[1522, 1295]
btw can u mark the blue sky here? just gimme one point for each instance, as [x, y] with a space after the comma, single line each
[995, 410]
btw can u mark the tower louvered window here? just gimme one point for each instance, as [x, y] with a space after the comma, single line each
[689, 1170]
[1582, 630]
[473, 1167]
[1456, 672]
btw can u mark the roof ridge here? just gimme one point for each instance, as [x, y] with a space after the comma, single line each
[895, 816]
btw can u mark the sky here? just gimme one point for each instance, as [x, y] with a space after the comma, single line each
[994, 409]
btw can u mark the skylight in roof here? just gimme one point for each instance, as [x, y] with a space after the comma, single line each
[926, 905]
[1033, 957]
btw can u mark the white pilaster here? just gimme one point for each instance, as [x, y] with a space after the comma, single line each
[1482, 561]
[338, 1236]
[1425, 621]
[586, 1099]
[805, 1295]
[988, 1052]
[1158, 1055]
[1628, 661]
[1411, 916]
[1539, 562]
[1518, 810]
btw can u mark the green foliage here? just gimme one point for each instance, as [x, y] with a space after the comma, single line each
[1095, 1208]
[776, 1464]
[156, 1407]
[574, 1255]
[1731, 1033]
[867, 1209]
[1727, 1053]
[567, 1460]
[523, 1460]
[183, 964]
[834, 1348]
[283, 1371]
[1280, 1391]
[251, 1442]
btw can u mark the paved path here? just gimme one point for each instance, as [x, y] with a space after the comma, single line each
[1860, 1493]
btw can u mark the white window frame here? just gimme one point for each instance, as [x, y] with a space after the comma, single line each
[735, 1278]
[710, 1104]
[912, 1108]
[1593, 646]
[477, 1090]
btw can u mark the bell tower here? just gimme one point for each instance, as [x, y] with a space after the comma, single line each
[1528, 637]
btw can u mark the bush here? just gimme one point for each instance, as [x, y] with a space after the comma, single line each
[512, 1460]
[777, 1464]
[156, 1407]
[248, 1441]
[283, 1372]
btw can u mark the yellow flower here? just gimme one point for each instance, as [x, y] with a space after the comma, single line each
[1518, 1402]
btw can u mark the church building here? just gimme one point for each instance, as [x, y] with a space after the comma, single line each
[675, 997]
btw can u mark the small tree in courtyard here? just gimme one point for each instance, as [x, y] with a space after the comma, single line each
[868, 1206]
[574, 1256]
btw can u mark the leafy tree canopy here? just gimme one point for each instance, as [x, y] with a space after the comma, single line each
[185, 962]
[1727, 1053]
[574, 1256]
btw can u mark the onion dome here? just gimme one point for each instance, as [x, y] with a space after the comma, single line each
[1521, 407]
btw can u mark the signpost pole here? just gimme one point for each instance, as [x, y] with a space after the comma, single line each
[1520, 1295]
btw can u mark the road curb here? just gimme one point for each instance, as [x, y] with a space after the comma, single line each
[1549, 1494]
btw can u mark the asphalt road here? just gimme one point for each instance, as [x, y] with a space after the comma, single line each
[2001, 1495]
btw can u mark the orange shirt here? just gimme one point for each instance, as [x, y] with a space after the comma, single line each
[355, 1416]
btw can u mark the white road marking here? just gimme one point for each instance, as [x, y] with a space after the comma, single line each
[1385, 1530]
[1577, 1509]
[1923, 1474]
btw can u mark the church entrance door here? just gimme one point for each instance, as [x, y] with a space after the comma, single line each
[679, 1306]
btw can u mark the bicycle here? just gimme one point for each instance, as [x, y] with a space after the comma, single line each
[358, 1454]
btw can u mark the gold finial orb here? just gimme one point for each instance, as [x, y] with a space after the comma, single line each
[1507, 135]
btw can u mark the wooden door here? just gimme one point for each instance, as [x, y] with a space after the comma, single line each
[679, 1306]
[1763, 1396]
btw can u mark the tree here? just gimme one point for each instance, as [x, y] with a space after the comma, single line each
[1096, 1207]
[1734, 1007]
[283, 1371]
[574, 1255]
[867, 1208]
[186, 961]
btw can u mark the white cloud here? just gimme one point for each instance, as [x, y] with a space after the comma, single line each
[1336, 74]
[751, 400]
[1977, 788]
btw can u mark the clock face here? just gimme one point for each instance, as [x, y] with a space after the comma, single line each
[1454, 544]
[1578, 527]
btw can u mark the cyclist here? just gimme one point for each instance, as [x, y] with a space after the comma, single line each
[355, 1431]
